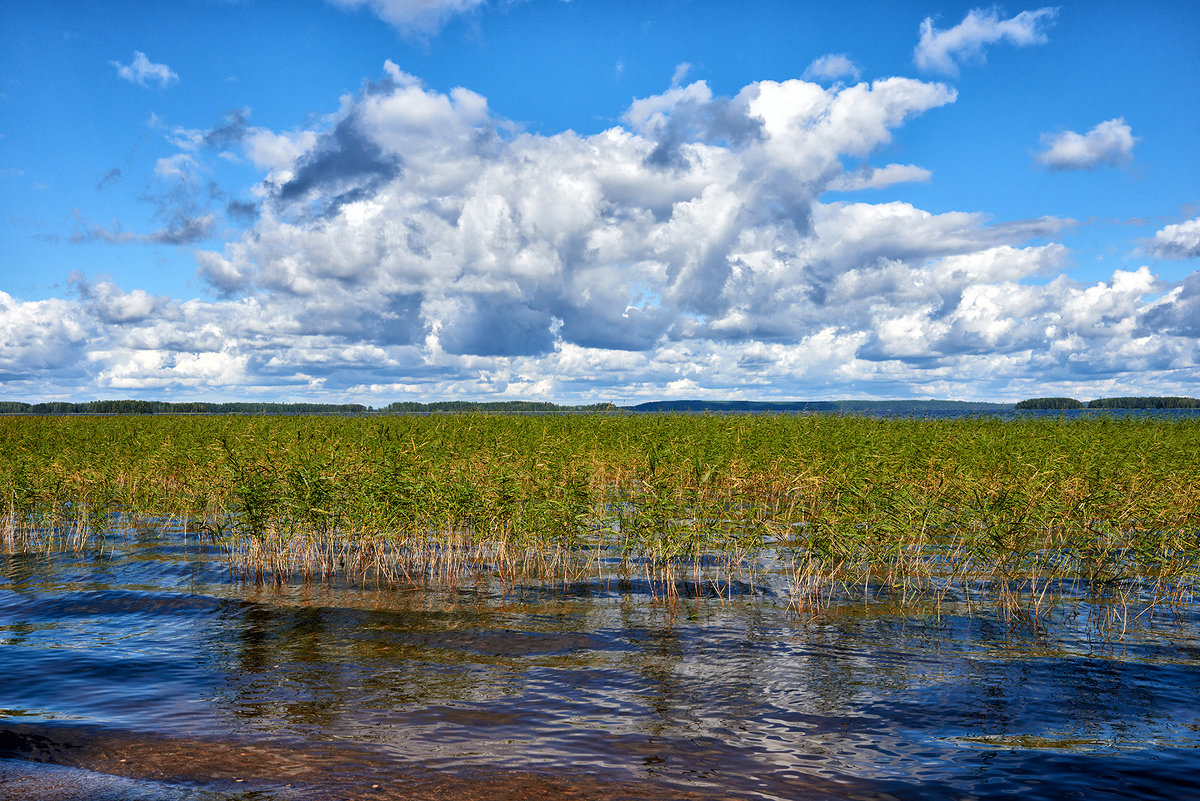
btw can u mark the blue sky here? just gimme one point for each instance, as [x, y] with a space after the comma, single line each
[378, 200]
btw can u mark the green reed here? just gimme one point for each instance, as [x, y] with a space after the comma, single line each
[1023, 511]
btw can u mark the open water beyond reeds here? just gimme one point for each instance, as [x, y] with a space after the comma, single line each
[143, 668]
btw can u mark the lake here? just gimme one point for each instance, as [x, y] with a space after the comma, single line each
[144, 669]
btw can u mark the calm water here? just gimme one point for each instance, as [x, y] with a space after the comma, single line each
[148, 672]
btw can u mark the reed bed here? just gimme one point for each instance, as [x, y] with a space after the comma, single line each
[1020, 514]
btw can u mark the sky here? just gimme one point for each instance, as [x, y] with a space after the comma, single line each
[368, 201]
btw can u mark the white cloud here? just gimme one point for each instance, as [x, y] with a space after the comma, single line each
[39, 336]
[943, 50]
[681, 72]
[111, 304]
[143, 71]
[181, 166]
[1178, 241]
[413, 242]
[807, 128]
[276, 151]
[421, 17]
[832, 67]
[687, 250]
[159, 369]
[1109, 143]
[868, 177]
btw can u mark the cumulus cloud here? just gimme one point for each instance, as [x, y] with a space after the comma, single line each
[414, 244]
[1178, 241]
[346, 164]
[143, 71]
[686, 114]
[111, 304]
[1108, 144]
[832, 67]
[1178, 312]
[420, 17]
[503, 245]
[276, 151]
[39, 336]
[943, 50]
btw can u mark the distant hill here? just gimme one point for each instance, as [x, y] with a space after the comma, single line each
[188, 407]
[411, 407]
[501, 407]
[200, 407]
[820, 406]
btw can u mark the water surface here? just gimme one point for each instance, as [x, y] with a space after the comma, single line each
[145, 670]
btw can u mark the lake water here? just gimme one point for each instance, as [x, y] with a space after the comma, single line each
[147, 671]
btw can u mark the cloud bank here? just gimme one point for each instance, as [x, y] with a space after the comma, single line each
[414, 244]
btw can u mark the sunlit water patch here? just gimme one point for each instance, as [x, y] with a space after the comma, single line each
[146, 669]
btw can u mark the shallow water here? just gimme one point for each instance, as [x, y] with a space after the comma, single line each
[147, 671]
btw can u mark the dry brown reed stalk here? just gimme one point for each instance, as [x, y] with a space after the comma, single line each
[11, 535]
[414, 559]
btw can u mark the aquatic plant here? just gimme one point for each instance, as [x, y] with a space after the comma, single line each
[1015, 513]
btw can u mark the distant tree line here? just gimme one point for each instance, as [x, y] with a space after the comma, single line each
[1145, 403]
[844, 406]
[199, 407]
[412, 407]
[190, 407]
[1050, 403]
[1111, 403]
[541, 407]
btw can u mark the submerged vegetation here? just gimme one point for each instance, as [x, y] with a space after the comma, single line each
[1016, 512]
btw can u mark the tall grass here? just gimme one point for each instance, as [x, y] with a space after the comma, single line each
[1018, 512]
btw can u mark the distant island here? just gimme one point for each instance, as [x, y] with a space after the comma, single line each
[1111, 403]
[542, 407]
